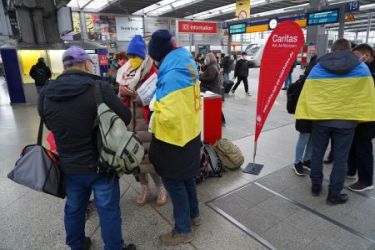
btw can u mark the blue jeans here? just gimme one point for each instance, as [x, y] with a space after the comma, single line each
[342, 139]
[303, 148]
[183, 194]
[107, 200]
[288, 81]
[226, 76]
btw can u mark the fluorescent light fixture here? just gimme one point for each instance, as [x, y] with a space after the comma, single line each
[78, 3]
[97, 5]
[367, 6]
[153, 7]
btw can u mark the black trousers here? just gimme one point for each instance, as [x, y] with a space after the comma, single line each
[245, 83]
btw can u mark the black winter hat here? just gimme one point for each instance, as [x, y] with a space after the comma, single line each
[160, 44]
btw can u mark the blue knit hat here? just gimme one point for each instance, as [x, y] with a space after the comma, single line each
[137, 47]
[160, 44]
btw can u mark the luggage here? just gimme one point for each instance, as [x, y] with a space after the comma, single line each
[293, 93]
[227, 86]
[119, 149]
[210, 164]
[38, 168]
[230, 155]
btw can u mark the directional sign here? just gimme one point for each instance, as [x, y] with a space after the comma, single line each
[238, 28]
[323, 17]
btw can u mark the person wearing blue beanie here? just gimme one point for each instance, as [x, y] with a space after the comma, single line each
[160, 44]
[137, 47]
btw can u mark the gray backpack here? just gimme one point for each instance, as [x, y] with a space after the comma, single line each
[120, 150]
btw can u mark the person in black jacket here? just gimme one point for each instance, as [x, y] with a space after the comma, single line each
[241, 71]
[40, 73]
[68, 108]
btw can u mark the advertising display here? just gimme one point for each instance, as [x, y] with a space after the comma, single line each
[101, 28]
[197, 27]
[242, 9]
[128, 27]
[279, 54]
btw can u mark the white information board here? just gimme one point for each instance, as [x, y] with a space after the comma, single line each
[95, 62]
[128, 27]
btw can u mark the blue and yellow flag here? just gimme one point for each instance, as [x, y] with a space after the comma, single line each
[328, 96]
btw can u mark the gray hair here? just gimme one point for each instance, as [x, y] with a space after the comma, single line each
[210, 59]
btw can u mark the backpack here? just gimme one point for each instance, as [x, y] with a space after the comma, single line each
[119, 149]
[210, 164]
[40, 74]
[293, 93]
[230, 155]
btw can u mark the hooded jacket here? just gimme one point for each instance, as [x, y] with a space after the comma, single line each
[68, 108]
[338, 92]
[40, 73]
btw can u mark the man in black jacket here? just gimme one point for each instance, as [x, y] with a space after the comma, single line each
[40, 73]
[241, 71]
[68, 108]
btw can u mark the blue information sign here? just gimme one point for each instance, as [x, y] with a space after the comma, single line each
[238, 28]
[323, 17]
[352, 6]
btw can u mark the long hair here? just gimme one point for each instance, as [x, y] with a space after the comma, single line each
[210, 59]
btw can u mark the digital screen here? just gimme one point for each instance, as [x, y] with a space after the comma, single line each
[323, 17]
[238, 28]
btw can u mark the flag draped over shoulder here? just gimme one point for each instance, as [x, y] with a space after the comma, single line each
[329, 96]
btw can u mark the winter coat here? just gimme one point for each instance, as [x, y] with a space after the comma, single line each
[175, 122]
[69, 110]
[210, 79]
[40, 73]
[227, 64]
[242, 68]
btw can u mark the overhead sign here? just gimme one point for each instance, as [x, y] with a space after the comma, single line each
[128, 27]
[242, 9]
[280, 52]
[323, 17]
[352, 6]
[238, 28]
[197, 27]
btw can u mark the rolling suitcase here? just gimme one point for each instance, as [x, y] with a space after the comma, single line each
[228, 86]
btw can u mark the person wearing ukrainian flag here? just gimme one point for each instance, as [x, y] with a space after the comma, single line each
[175, 124]
[337, 95]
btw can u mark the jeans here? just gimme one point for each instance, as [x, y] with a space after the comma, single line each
[288, 81]
[303, 148]
[245, 83]
[226, 76]
[183, 194]
[361, 156]
[107, 200]
[342, 139]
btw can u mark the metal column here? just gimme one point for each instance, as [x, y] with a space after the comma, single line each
[341, 22]
[368, 27]
[316, 34]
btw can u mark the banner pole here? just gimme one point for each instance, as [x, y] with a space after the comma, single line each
[255, 151]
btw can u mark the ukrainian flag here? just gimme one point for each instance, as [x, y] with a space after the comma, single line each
[328, 96]
[176, 117]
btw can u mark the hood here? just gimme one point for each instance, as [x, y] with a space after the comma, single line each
[40, 64]
[339, 63]
[70, 84]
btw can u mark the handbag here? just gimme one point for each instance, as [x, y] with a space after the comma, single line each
[38, 168]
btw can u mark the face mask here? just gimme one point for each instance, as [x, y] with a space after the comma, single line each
[135, 62]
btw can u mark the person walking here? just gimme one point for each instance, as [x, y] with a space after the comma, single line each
[40, 72]
[338, 93]
[136, 71]
[241, 71]
[68, 108]
[175, 124]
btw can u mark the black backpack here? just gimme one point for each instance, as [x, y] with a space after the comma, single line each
[293, 93]
[210, 165]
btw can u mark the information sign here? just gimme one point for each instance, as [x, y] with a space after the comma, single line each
[238, 28]
[323, 17]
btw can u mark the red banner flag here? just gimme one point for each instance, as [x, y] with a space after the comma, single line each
[279, 54]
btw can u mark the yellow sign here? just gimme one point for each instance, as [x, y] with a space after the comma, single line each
[242, 9]
[351, 17]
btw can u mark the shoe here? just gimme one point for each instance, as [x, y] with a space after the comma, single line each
[223, 124]
[336, 199]
[162, 197]
[232, 91]
[360, 187]
[351, 177]
[284, 88]
[172, 238]
[130, 247]
[307, 165]
[143, 197]
[87, 243]
[298, 169]
[328, 161]
[316, 189]
[196, 221]
[248, 94]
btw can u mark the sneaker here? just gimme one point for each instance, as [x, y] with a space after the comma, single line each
[316, 189]
[130, 247]
[284, 88]
[328, 161]
[248, 94]
[196, 221]
[298, 169]
[351, 177]
[360, 187]
[87, 243]
[172, 238]
[336, 199]
[307, 165]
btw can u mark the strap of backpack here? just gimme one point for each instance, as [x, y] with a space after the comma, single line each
[40, 132]
[98, 93]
